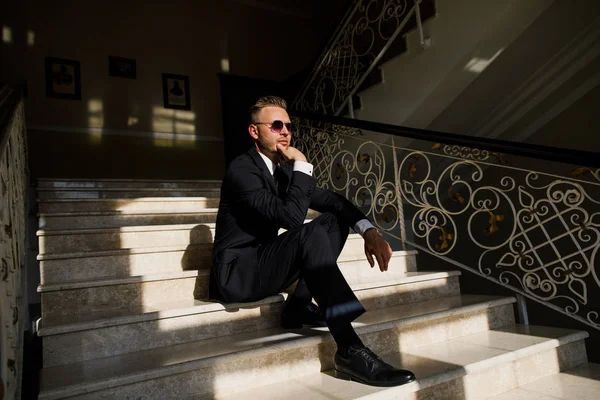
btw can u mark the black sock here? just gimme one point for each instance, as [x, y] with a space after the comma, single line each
[345, 336]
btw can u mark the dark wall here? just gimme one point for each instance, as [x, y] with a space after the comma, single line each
[268, 40]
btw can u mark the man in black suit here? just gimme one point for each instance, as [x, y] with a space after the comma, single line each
[272, 187]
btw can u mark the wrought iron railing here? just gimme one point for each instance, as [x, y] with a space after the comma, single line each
[13, 197]
[363, 37]
[526, 217]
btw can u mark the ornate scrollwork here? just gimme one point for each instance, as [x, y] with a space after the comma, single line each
[469, 153]
[359, 174]
[533, 232]
[363, 37]
[542, 238]
[346, 130]
[585, 172]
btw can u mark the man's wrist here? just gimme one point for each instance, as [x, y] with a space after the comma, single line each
[372, 231]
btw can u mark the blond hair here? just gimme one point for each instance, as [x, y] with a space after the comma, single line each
[266, 101]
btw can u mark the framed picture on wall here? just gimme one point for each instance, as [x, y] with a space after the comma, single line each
[63, 78]
[122, 67]
[176, 91]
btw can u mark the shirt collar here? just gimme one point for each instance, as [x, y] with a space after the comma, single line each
[270, 164]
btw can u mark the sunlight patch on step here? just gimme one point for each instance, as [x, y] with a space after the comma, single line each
[250, 372]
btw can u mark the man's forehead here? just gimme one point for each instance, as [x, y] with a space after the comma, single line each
[275, 112]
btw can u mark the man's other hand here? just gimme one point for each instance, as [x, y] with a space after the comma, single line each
[376, 246]
[290, 153]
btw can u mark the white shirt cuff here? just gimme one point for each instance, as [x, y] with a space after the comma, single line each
[303, 166]
[362, 226]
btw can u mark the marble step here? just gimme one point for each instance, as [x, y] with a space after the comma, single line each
[116, 219]
[72, 338]
[130, 237]
[126, 183]
[105, 264]
[144, 204]
[579, 383]
[470, 367]
[123, 193]
[121, 263]
[103, 239]
[75, 298]
[248, 360]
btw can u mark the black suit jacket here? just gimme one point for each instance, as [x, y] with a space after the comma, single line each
[251, 212]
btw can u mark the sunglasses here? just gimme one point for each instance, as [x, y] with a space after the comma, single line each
[276, 126]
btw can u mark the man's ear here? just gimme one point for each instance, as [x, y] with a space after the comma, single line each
[253, 130]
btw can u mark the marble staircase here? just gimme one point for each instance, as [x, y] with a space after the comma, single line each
[122, 260]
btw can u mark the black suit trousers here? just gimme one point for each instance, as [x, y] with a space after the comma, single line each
[309, 254]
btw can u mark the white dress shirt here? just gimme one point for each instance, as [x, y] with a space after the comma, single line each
[302, 166]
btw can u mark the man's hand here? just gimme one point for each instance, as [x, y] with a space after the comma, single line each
[290, 154]
[376, 245]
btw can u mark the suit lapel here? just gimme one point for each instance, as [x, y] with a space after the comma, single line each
[284, 179]
[260, 163]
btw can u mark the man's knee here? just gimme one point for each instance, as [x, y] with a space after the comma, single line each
[331, 222]
[315, 235]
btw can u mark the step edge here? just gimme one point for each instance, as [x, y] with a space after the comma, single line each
[137, 228]
[126, 180]
[49, 179]
[406, 280]
[138, 200]
[118, 213]
[126, 189]
[165, 276]
[125, 229]
[119, 252]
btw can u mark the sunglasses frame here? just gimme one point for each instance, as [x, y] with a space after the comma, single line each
[288, 125]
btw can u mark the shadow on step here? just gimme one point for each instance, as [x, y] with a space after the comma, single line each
[289, 354]
[193, 259]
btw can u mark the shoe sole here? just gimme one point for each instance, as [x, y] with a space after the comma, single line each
[347, 377]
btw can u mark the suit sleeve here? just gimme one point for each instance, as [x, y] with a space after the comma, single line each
[249, 195]
[325, 201]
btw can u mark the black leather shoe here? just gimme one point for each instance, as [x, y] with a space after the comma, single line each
[307, 315]
[360, 364]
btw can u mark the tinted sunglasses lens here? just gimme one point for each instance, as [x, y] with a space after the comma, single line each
[277, 126]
